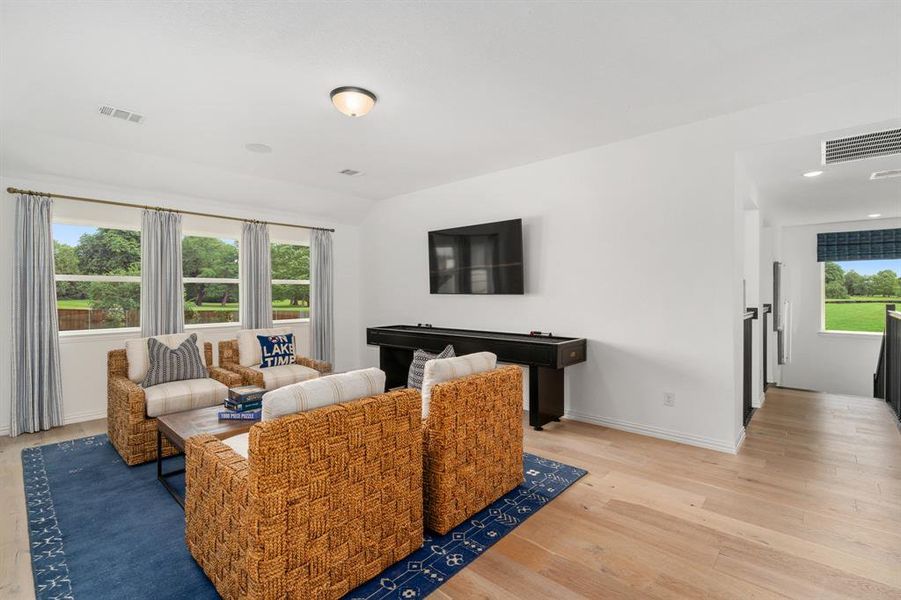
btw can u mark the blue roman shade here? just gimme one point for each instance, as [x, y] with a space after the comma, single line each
[877, 244]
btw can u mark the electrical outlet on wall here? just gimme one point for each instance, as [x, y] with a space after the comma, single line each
[669, 399]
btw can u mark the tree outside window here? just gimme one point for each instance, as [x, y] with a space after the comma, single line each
[290, 281]
[210, 275]
[98, 275]
[857, 292]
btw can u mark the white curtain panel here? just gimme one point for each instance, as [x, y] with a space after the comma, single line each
[162, 294]
[322, 318]
[256, 276]
[36, 383]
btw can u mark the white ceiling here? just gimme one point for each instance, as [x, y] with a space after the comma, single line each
[464, 88]
[844, 192]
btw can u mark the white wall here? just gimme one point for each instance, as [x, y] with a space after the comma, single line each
[637, 246]
[83, 356]
[828, 362]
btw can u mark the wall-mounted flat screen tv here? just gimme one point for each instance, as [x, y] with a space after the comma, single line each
[478, 259]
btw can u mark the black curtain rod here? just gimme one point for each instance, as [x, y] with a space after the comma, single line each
[13, 190]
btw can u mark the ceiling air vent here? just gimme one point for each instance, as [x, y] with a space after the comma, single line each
[886, 174]
[349, 172]
[118, 113]
[867, 145]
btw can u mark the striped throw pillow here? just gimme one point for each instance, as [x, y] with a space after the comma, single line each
[174, 364]
[417, 367]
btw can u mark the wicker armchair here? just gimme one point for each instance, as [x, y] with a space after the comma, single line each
[325, 501]
[472, 445]
[131, 431]
[229, 358]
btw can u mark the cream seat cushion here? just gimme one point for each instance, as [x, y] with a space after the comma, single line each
[239, 443]
[139, 357]
[313, 394]
[322, 391]
[282, 375]
[439, 370]
[176, 396]
[249, 354]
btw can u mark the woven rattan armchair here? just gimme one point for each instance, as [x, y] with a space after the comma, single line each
[131, 431]
[229, 358]
[472, 445]
[325, 501]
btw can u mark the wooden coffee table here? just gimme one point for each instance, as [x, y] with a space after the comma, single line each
[178, 427]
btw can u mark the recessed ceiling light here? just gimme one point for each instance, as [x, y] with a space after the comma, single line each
[813, 173]
[258, 148]
[875, 215]
[353, 101]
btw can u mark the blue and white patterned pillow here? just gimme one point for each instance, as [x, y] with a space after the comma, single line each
[417, 367]
[174, 364]
[276, 350]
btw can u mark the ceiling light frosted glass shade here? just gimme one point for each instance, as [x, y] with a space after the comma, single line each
[353, 101]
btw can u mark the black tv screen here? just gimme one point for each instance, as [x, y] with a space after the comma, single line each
[478, 259]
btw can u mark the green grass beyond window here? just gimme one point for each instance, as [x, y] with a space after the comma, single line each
[848, 316]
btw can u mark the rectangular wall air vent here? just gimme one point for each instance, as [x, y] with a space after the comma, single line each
[349, 172]
[886, 174]
[118, 113]
[857, 147]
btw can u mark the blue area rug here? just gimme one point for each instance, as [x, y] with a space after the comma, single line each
[101, 530]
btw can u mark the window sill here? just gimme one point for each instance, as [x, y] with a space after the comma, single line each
[863, 335]
[129, 332]
[82, 334]
[223, 325]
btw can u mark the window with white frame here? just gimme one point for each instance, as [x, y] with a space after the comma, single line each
[210, 277]
[290, 281]
[98, 277]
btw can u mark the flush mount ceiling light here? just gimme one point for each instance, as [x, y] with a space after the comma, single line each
[813, 173]
[258, 148]
[875, 215]
[353, 101]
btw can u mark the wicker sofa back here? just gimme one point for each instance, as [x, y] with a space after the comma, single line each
[473, 445]
[325, 501]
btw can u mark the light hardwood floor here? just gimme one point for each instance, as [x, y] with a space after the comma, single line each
[810, 508]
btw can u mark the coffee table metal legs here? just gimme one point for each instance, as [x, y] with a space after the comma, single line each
[162, 477]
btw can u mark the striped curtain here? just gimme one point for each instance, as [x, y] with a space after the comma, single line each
[36, 381]
[322, 319]
[162, 294]
[256, 276]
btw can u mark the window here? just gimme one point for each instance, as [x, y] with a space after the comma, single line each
[210, 276]
[98, 277]
[290, 282]
[856, 292]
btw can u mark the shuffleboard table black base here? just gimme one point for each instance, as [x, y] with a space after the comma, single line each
[546, 357]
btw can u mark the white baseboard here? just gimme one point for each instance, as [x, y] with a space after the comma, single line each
[658, 432]
[760, 400]
[84, 416]
[740, 441]
[70, 419]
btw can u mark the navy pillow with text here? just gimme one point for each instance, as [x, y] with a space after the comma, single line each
[276, 350]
